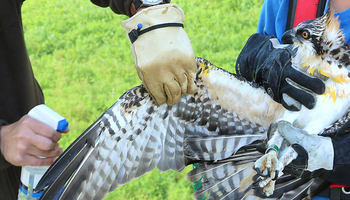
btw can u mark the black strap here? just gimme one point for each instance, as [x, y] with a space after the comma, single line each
[291, 14]
[321, 7]
[292, 9]
[135, 33]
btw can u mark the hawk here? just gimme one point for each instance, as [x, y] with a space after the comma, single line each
[222, 127]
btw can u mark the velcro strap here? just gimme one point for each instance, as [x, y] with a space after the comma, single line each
[135, 33]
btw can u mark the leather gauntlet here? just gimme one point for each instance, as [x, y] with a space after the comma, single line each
[162, 52]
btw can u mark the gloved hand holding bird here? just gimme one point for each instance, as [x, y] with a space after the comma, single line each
[221, 127]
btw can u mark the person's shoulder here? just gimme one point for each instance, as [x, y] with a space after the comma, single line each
[344, 18]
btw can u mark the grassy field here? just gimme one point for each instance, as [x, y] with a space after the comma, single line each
[82, 60]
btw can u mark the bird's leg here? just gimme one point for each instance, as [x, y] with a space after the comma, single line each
[269, 161]
[268, 165]
[287, 155]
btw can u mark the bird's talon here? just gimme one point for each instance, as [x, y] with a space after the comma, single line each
[276, 175]
[262, 184]
[259, 172]
[256, 182]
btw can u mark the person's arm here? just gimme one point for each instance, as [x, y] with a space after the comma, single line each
[23, 141]
[118, 6]
[341, 164]
[273, 18]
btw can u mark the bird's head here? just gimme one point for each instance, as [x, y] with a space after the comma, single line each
[317, 36]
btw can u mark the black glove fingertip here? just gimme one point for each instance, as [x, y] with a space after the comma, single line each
[316, 85]
[292, 93]
[322, 87]
[290, 107]
[310, 104]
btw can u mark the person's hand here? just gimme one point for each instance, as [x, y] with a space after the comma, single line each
[23, 141]
[163, 56]
[268, 63]
[314, 151]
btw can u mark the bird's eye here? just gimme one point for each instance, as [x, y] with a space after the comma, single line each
[305, 34]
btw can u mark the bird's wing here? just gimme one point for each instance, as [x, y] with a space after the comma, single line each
[135, 135]
[235, 178]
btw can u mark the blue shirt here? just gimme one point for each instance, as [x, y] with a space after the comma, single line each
[274, 13]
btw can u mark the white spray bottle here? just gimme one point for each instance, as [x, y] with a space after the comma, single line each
[31, 175]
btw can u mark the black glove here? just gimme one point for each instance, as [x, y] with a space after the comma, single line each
[298, 167]
[271, 67]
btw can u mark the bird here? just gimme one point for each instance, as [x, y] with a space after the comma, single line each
[322, 53]
[223, 128]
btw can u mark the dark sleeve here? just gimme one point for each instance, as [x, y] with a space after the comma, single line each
[3, 163]
[255, 52]
[118, 6]
[341, 167]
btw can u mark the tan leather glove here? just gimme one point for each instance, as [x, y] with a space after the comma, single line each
[163, 57]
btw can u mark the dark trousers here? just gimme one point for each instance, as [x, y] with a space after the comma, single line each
[9, 183]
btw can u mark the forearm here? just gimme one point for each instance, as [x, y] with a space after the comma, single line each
[117, 6]
[341, 172]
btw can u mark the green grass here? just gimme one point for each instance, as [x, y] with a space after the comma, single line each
[82, 60]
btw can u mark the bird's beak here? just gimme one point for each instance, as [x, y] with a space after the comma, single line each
[287, 37]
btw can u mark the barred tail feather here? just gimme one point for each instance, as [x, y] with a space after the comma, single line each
[229, 178]
[217, 147]
[302, 188]
[223, 181]
[234, 177]
[230, 181]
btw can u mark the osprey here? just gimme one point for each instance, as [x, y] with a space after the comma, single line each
[221, 127]
[321, 52]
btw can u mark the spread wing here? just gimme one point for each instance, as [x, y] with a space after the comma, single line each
[220, 127]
